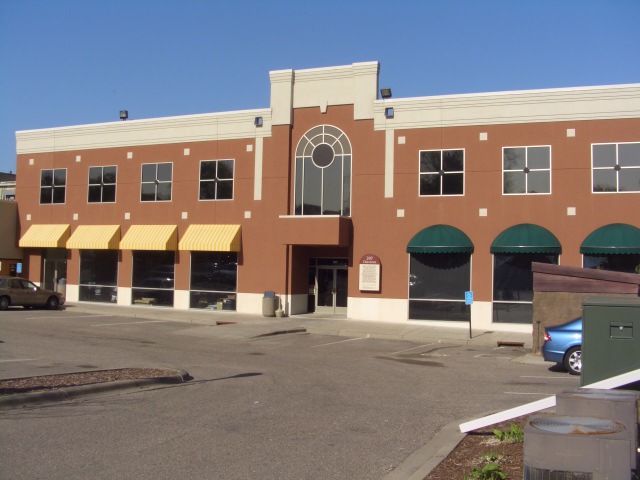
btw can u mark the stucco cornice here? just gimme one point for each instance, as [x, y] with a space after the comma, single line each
[188, 128]
[527, 106]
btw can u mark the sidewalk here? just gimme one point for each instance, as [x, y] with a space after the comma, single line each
[248, 326]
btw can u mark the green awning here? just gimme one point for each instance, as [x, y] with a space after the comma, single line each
[614, 238]
[440, 239]
[526, 238]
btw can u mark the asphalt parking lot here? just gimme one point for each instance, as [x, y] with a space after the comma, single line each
[286, 405]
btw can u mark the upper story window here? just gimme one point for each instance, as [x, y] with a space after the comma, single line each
[441, 172]
[323, 173]
[526, 170]
[216, 179]
[53, 186]
[616, 167]
[102, 184]
[156, 182]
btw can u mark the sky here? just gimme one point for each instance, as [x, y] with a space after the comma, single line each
[73, 62]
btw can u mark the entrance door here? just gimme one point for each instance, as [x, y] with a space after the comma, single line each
[55, 270]
[331, 288]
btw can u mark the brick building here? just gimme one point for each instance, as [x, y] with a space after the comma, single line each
[390, 209]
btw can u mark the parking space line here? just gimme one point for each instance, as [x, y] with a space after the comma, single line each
[526, 393]
[19, 360]
[547, 377]
[67, 318]
[333, 343]
[412, 348]
[128, 323]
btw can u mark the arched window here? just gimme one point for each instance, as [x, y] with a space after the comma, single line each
[514, 250]
[323, 173]
[614, 247]
[439, 274]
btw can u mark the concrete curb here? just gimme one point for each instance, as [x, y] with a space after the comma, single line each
[421, 462]
[251, 325]
[71, 393]
[424, 460]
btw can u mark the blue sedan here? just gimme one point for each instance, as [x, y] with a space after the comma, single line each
[563, 345]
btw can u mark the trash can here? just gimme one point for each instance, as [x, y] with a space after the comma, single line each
[269, 304]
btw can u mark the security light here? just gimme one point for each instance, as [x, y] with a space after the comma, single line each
[124, 115]
[385, 92]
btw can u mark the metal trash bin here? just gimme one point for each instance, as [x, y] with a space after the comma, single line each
[269, 304]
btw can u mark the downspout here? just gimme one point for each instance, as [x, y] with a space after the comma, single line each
[287, 276]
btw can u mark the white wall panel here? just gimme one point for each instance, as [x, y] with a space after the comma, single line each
[530, 106]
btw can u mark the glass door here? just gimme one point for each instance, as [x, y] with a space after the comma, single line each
[331, 290]
[54, 276]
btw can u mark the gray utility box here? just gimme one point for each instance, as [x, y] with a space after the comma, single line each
[610, 337]
[621, 406]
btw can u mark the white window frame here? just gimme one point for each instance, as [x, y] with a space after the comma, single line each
[232, 180]
[527, 170]
[464, 176]
[319, 134]
[102, 184]
[618, 170]
[66, 178]
[156, 182]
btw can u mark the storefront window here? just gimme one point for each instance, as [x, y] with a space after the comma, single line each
[513, 285]
[99, 276]
[153, 277]
[437, 284]
[628, 263]
[214, 280]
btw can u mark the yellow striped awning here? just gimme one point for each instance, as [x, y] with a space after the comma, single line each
[45, 236]
[211, 238]
[150, 237]
[95, 237]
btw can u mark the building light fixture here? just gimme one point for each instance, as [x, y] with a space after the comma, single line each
[385, 92]
[124, 115]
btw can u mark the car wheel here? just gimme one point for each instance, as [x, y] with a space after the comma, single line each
[52, 303]
[4, 303]
[573, 360]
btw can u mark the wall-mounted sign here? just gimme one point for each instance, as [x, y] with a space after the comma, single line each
[370, 273]
[468, 298]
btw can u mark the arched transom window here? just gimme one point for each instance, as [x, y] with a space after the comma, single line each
[323, 172]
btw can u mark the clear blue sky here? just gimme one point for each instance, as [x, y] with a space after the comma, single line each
[70, 62]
